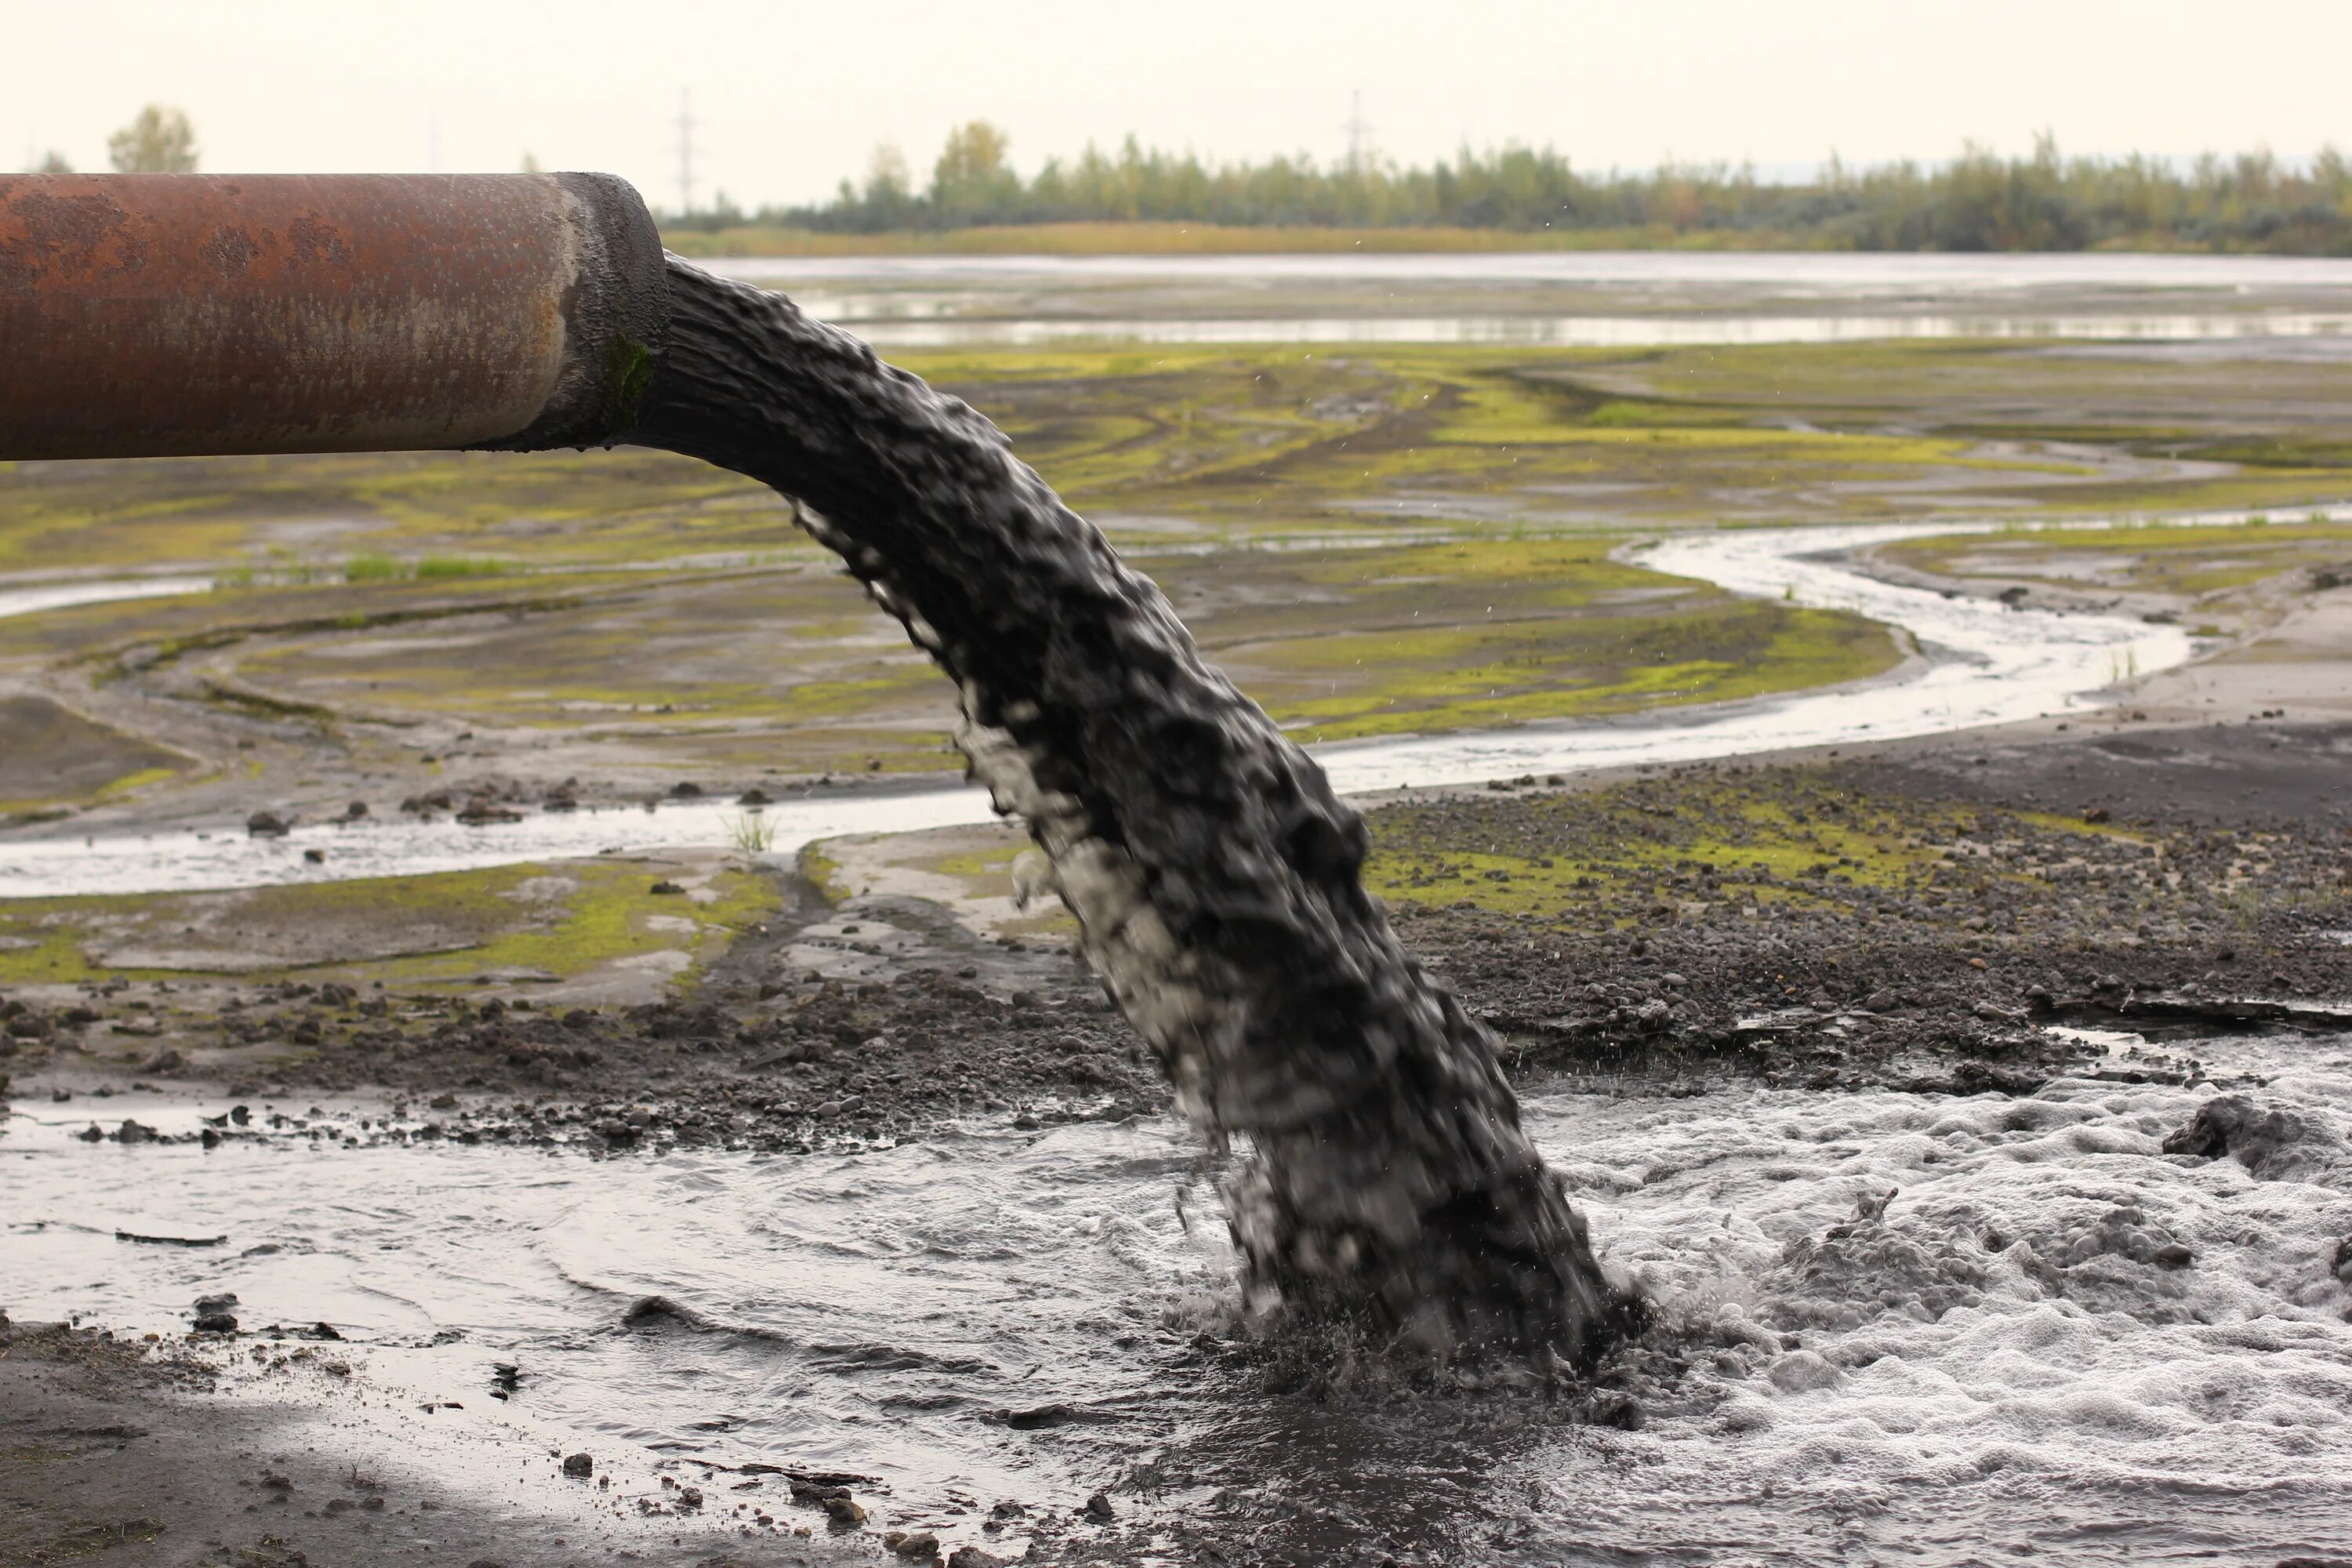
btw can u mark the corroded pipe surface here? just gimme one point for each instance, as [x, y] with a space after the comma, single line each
[173, 315]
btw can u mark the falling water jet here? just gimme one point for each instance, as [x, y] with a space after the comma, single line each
[1214, 876]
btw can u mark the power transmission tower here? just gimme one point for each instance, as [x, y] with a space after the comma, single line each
[685, 156]
[1360, 133]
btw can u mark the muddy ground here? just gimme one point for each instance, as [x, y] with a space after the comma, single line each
[1846, 921]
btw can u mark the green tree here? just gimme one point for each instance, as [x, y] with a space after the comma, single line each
[971, 181]
[53, 163]
[160, 141]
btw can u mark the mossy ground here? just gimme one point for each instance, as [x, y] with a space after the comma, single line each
[441, 930]
[1795, 837]
[52, 754]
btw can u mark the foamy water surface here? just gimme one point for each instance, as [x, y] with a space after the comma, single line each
[1994, 1369]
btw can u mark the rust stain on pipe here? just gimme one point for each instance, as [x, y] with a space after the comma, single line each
[164, 315]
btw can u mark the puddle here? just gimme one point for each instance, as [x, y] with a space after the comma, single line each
[29, 598]
[1986, 664]
[996, 1316]
[885, 328]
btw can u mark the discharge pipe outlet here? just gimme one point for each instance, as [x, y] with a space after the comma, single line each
[181, 315]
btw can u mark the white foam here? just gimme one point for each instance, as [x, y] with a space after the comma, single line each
[2004, 1359]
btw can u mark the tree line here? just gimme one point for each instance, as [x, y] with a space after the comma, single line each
[1979, 201]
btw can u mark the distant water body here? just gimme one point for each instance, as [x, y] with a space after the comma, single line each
[1566, 300]
[1834, 273]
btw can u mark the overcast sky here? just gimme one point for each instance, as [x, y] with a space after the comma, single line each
[789, 97]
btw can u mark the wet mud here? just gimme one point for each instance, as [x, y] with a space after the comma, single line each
[2062, 888]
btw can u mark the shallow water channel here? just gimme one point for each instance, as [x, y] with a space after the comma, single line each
[1980, 662]
[1992, 1370]
[1559, 298]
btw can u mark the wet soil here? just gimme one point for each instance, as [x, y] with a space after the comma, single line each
[125, 1454]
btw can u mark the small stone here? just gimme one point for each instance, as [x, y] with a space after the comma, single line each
[1801, 1371]
[921, 1546]
[579, 1465]
[267, 824]
[315, 856]
[1882, 1002]
[845, 1512]
[666, 887]
[1098, 1509]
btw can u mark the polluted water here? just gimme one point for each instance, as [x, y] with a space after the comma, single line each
[1213, 870]
[2086, 1323]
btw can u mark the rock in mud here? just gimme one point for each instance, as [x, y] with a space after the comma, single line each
[2264, 1141]
[1801, 1371]
[268, 825]
[579, 1465]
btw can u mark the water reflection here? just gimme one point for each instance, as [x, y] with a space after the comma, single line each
[889, 331]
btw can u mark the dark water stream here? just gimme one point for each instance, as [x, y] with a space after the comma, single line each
[1213, 869]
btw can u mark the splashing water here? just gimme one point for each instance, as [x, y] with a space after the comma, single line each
[2056, 1338]
[1212, 871]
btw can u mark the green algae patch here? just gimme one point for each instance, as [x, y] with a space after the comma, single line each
[555, 920]
[1481, 633]
[820, 871]
[1439, 680]
[1658, 850]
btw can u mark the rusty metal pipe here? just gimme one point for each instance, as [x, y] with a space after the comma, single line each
[176, 315]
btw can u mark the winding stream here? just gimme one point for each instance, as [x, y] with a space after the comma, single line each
[1981, 663]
